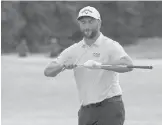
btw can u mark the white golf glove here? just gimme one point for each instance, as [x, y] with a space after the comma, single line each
[92, 64]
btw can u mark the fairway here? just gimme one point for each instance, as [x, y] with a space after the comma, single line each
[30, 98]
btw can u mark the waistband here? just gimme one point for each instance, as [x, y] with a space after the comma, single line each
[112, 99]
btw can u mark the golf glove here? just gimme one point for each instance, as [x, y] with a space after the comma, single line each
[92, 64]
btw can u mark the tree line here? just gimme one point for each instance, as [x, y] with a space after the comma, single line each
[38, 21]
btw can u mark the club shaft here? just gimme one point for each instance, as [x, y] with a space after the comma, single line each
[134, 66]
[141, 67]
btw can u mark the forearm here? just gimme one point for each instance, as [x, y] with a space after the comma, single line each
[117, 68]
[120, 66]
[53, 69]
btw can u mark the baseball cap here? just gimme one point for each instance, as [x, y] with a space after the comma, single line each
[90, 12]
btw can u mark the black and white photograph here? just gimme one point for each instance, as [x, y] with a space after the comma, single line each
[81, 62]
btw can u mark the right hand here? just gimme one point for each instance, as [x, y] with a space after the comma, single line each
[68, 64]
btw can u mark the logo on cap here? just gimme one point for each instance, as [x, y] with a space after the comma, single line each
[86, 11]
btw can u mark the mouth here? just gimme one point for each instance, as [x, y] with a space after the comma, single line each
[87, 33]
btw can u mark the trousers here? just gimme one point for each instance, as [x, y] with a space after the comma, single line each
[108, 112]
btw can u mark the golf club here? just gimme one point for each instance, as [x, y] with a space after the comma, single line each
[134, 66]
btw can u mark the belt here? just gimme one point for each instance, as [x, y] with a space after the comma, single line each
[112, 99]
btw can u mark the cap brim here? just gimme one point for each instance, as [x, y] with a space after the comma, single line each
[81, 17]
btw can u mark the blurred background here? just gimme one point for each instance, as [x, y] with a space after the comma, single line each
[38, 31]
[41, 22]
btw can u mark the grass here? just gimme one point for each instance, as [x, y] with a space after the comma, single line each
[30, 98]
[150, 48]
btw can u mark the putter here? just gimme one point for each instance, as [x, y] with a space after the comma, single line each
[134, 66]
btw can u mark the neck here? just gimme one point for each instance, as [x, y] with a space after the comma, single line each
[92, 40]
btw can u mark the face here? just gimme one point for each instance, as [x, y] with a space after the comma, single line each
[89, 27]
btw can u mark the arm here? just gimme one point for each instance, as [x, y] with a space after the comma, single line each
[118, 57]
[117, 68]
[63, 61]
[53, 69]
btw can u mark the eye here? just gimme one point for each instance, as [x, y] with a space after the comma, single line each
[82, 22]
[91, 21]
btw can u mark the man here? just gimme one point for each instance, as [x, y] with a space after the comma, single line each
[99, 89]
[22, 49]
[54, 47]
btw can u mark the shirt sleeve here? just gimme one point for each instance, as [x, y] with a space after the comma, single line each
[67, 54]
[117, 52]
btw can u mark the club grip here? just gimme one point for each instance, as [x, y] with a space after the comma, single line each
[141, 67]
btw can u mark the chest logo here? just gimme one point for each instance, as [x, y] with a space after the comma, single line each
[96, 54]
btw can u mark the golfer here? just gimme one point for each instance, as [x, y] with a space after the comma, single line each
[99, 91]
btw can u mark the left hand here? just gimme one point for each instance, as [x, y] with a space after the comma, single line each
[92, 64]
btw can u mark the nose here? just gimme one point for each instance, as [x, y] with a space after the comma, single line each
[86, 26]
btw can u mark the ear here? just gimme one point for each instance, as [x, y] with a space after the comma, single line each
[99, 24]
[78, 23]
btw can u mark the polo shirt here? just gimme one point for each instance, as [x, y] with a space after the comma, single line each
[94, 85]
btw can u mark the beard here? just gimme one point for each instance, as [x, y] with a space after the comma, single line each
[89, 34]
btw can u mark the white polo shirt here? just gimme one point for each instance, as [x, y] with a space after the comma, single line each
[95, 85]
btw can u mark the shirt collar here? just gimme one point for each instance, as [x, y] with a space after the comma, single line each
[96, 43]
